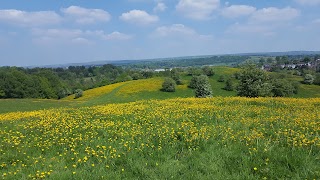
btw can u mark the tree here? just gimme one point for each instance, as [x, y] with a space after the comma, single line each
[175, 75]
[229, 85]
[307, 59]
[169, 85]
[193, 82]
[317, 79]
[78, 93]
[253, 82]
[202, 87]
[221, 78]
[282, 88]
[207, 70]
[136, 76]
[308, 79]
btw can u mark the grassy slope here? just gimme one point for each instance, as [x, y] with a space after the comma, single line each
[138, 90]
[218, 138]
[244, 134]
[13, 105]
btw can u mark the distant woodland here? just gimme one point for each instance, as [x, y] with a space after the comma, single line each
[57, 83]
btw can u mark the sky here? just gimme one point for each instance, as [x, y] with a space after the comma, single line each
[38, 32]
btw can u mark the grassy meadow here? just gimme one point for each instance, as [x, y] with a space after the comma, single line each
[132, 130]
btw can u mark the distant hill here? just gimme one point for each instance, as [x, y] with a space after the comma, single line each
[184, 60]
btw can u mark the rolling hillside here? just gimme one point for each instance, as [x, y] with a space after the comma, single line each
[132, 130]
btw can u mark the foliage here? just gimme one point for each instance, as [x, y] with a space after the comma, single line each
[282, 88]
[188, 62]
[78, 93]
[207, 70]
[308, 79]
[229, 85]
[202, 87]
[169, 85]
[175, 75]
[56, 83]
[253, 82]
[221, 78]
[317, 79]
[136, 76]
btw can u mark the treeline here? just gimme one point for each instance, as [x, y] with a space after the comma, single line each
[56, 83]
[189, 62]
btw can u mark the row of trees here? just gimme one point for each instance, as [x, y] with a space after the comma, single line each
[251, 82]
[56, 83]
[254, 82]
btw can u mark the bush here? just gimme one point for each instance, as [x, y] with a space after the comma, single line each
[221, 78]
[317, 79]
[282, 88]
[169, 85]
[207, 70]
[175, 75]
[308, 79]
[203, 87]
[78, 93]
[253, 82]
[136, 76]
[229, 85]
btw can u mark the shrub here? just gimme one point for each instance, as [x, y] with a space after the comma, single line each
[207, 70]
[136, 76]
[203, 87]
[78, 93]
[169, 85]
[175, 75]
[229, 85]
[253, 82]
[221, 78]
[193, 82]
[282, 88]
[308, 79]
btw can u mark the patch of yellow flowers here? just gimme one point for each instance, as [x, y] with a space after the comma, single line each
[93, 135]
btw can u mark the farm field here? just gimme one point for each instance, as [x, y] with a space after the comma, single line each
[181, 138]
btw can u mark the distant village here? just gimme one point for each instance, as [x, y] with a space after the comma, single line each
[311, 64]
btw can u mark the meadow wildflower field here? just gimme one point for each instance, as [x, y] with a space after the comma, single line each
[180, 138]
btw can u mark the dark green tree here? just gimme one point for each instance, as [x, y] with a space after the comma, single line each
[207, 70]
[78, 93]
[229, 85]
[282, 88]
[221, 78]
[169, 85]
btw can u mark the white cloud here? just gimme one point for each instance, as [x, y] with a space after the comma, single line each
[197, 9]
[273, 14]
[76, 35]
[138, 17]
[177, 30]
[23, 18]
[308, 2]
[117, 36]
[160, 7]
[235, 11]
[86, 16]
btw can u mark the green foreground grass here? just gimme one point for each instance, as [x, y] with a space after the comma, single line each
[216, 138]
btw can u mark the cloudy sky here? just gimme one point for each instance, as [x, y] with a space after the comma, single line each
[38, 32]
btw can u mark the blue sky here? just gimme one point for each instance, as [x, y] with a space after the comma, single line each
[37, 32]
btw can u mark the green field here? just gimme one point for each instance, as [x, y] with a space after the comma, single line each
[132, 130]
